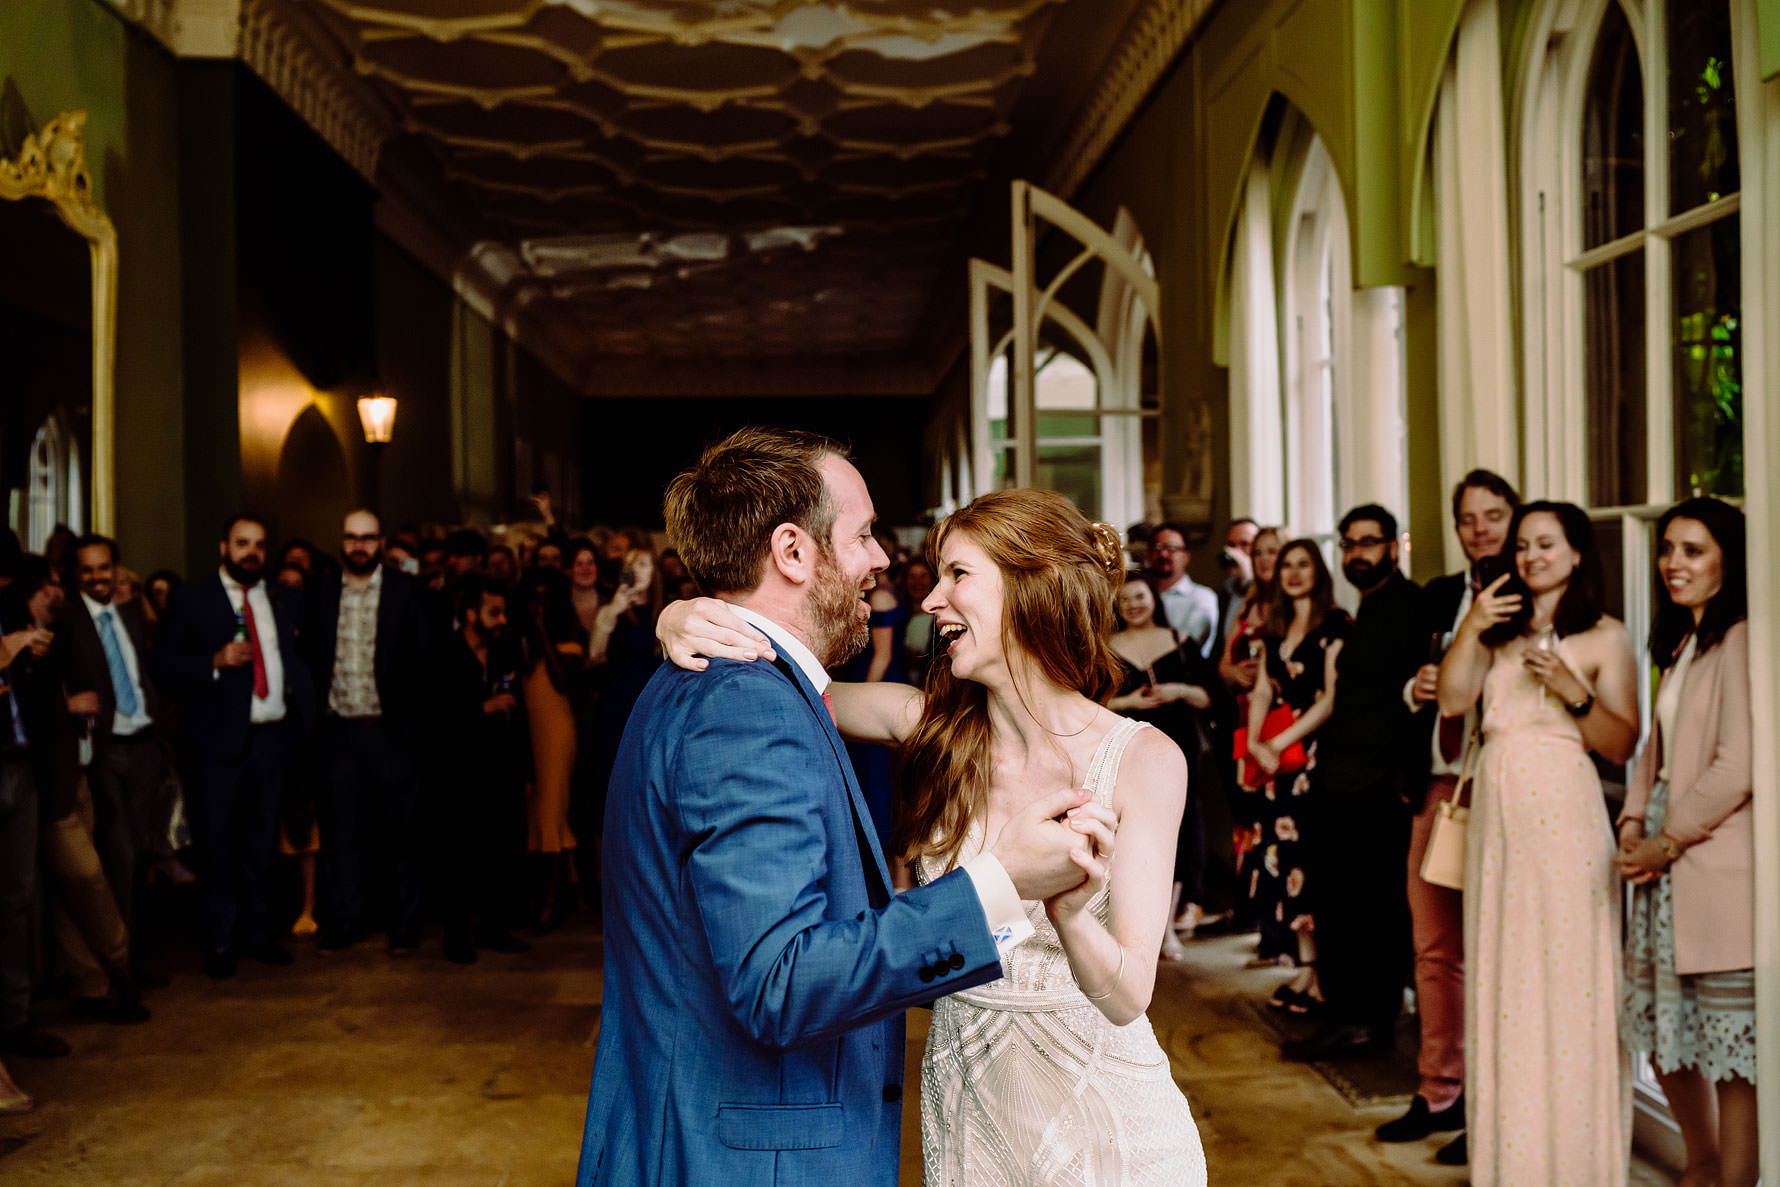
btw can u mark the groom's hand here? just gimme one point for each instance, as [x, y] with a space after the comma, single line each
[1034, 846]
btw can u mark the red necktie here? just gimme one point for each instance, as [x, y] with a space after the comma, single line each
[828, 703]
[260, 686]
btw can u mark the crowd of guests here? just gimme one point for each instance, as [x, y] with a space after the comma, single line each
[1331, 742]
[412, 732]
[423, 729]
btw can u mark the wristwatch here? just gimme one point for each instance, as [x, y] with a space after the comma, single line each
[1669, 847]
[1581, 708]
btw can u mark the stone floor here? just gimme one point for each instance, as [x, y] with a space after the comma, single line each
[359, 1069]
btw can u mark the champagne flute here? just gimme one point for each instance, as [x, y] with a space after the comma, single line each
[1545, 639]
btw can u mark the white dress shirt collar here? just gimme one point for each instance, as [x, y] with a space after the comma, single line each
[787, 645]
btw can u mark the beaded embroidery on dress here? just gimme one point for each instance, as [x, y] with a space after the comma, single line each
[1026, 1083]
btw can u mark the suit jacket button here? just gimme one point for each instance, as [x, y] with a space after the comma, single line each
[957, 960]
[926, 973]
[892, 1093]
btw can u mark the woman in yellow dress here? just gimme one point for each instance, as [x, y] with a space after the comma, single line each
[554, 656]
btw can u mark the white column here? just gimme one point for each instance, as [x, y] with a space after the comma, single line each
[1479, 422]
[1758, 135]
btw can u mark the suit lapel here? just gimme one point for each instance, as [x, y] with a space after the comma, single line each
[864, 832]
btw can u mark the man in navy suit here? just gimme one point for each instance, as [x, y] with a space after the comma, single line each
[225, 648]
[757, 961]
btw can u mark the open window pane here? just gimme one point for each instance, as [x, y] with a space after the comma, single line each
[1614, 376]
[1708, 337]
[1703, 164]
[1613, 136]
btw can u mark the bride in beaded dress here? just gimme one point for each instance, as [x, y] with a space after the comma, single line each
[1051, 1075]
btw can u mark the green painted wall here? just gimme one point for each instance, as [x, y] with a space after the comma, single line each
[1363, 74]
[68, 55]
[1767, 12]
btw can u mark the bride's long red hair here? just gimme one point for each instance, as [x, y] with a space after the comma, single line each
[1060, 575]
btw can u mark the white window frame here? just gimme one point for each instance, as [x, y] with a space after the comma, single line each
[1113, 350]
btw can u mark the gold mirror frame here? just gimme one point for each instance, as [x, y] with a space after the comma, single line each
[52, 165]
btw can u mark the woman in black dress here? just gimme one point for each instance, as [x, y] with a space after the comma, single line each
[1176, 689]
[1302, 636]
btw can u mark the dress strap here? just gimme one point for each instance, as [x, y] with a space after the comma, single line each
[1103, 772]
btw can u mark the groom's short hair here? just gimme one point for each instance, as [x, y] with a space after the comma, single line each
[721, 513]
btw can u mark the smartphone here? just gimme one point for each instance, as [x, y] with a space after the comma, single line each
[1492, 567]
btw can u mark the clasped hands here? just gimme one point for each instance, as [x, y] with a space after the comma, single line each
[1058, 849]
[1640, 859]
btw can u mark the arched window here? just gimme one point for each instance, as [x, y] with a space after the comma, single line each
[1633, 245]
[55, 490]
[1316, 364]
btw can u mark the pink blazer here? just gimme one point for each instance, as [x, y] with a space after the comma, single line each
[1710, 813]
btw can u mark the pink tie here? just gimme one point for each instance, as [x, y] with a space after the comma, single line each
[828, 703]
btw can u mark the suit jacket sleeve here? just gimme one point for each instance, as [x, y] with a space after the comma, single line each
[1728, 780]
[182, 657]
[747, 787]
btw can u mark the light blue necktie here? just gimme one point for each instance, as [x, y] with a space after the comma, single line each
[121, 683]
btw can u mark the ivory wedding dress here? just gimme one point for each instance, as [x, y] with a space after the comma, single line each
[1025, 1083]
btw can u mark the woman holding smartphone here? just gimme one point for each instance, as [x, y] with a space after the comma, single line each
[1686, 843]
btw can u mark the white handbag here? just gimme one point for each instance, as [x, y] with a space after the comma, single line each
[1443, 862]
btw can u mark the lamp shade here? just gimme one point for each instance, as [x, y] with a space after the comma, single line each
[377, 414]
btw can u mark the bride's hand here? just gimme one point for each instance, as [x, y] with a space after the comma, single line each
[701, 627]
[1093, 855]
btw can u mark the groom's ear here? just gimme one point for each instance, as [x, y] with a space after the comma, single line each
[792, 552]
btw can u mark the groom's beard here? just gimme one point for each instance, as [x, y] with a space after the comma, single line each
[839, 626]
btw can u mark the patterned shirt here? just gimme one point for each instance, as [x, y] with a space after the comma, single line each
[353, 691]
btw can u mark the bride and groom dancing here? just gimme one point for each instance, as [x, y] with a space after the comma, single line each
[758, 959]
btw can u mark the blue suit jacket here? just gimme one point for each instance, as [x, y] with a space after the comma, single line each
[756, 968]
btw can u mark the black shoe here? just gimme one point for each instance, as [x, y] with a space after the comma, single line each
[270, 952]
[1336, 1042]
[503, 941]
[122, 1006]
[31, 1042]
[126, 1001]
[458, 952]
[1420, 1121]
[150, 978]
[334, 941]
[1454, 1153]
[219, 966]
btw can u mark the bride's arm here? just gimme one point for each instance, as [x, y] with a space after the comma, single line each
[698, 628]
[1116, 966]
[881, 712]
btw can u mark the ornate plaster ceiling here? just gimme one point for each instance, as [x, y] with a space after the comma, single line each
[693, 179]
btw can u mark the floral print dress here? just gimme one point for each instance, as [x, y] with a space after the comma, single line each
[1280, 885]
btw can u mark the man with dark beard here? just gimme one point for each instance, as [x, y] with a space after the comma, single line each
[371, 636]
[1372, 754]
[226, 649]
[484, 785]
[757, 957]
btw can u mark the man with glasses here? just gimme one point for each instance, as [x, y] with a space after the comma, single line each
[371, 638]
[1190, 608]
[1372, 755]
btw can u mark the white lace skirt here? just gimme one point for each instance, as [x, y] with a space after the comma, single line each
[1023, 1088]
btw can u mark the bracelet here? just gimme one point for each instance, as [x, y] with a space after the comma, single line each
[1119, 977]
[1670, 847]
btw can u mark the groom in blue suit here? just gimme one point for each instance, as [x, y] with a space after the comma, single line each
[757, 959]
